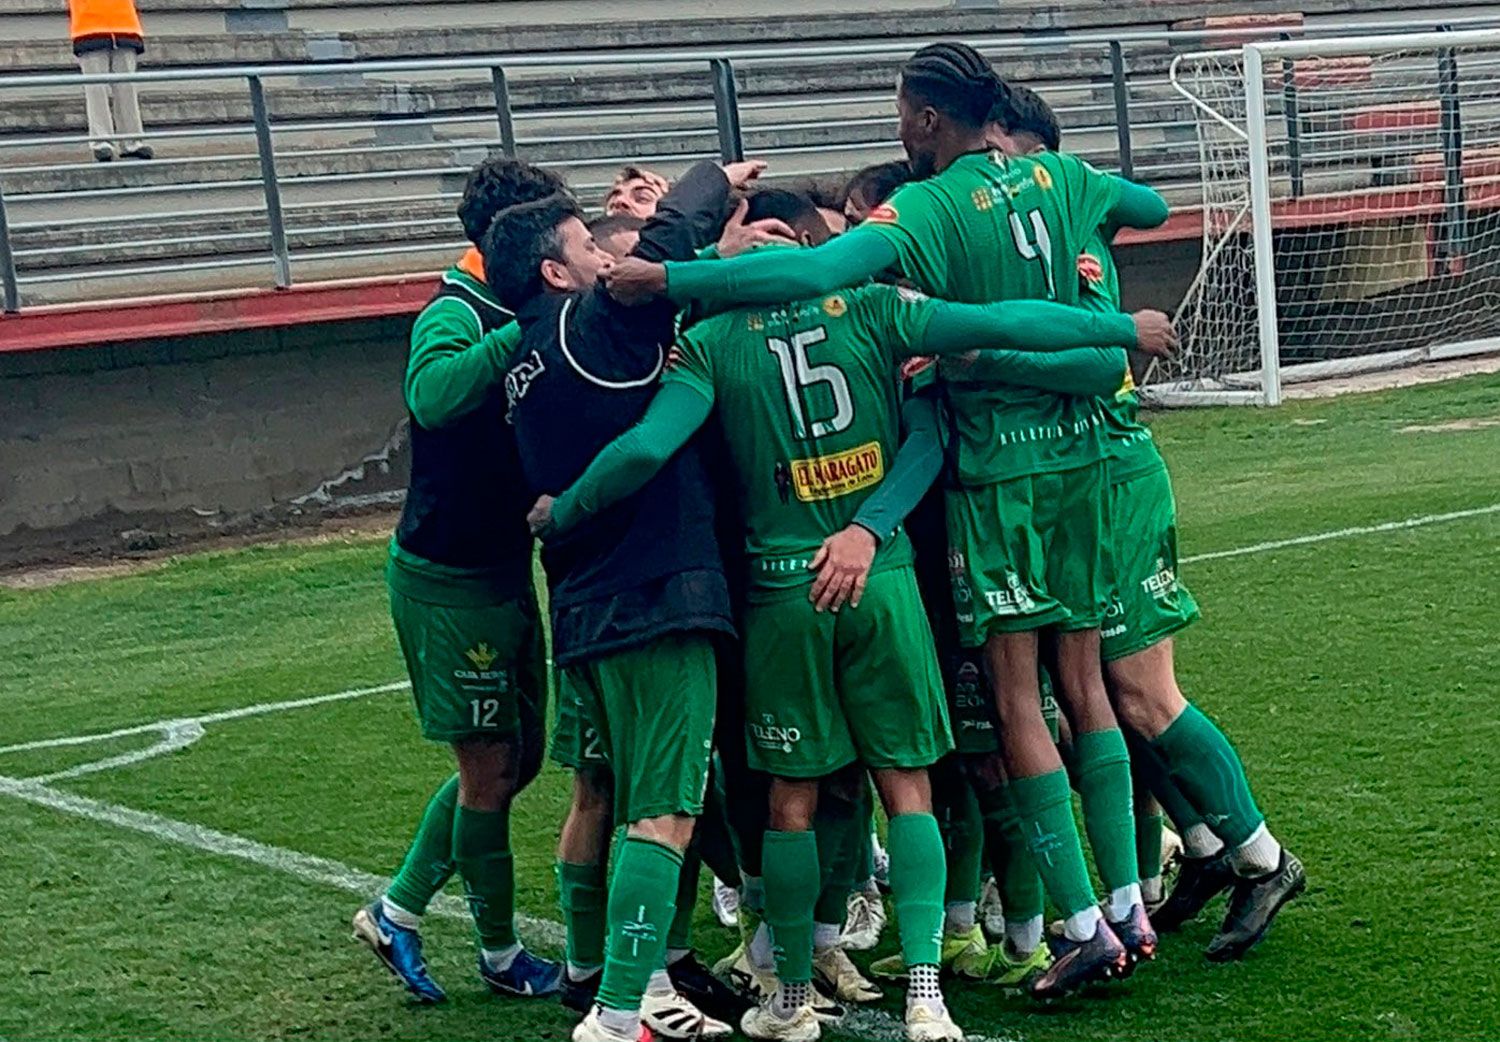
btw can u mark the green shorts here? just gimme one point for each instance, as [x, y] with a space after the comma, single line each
[1149, 603]
[474, 670]
[575, 739]
[826, 690]
[653, 710]
[1029, 553]
[971, 705]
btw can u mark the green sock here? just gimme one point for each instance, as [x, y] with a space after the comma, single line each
[793, 882]
[582, 891]
[1148, 829]
[1020, 884]
[1209, 772]
[429, 859]
[1108, 804]
[1146, 760]
[843, 836]
[962, 828]
[1045, 806]
[680, 933]
[641, 894]
[481, 848]
[918, 880]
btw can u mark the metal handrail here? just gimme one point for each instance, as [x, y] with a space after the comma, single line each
[1113, 112]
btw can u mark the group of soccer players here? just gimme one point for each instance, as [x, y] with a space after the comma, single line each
[822, 515]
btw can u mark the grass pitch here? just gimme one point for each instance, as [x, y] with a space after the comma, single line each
[1355, 673]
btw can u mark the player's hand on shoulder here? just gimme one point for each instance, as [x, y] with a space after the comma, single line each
[842, 565]
[742, 173]
[1154, 333]
[740, 235]
[540, 516]
[635, 281]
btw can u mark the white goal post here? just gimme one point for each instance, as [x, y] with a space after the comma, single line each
[1351, 212]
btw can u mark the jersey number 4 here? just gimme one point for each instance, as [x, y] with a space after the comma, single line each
[1035, 246]
[798, 375]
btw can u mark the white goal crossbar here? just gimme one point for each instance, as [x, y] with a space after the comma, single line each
[1351, 211]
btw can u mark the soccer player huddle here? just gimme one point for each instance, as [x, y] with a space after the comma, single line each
[825, 518]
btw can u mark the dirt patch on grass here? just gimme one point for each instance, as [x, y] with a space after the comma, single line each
[1473, 423]
[1386, 379]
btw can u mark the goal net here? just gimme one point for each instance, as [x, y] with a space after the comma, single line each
[1351, 212]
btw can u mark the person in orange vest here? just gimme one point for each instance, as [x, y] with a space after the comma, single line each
[107, 37]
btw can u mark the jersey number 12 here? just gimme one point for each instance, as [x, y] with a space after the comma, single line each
[1035, 246]
[797, 374]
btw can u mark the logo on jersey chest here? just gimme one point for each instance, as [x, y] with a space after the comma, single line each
[838, 473]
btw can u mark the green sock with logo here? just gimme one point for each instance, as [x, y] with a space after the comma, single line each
[642, 892]
[1146, 760]
[919, 877]
[1020, 884]
[1210, 774]
[481, 849]
[429, 859]
[1103, 766]
[793, 881]
[962, 828]
[582, 891]
[1045, 806]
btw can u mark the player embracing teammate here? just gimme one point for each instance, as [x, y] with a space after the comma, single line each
[1060, 524]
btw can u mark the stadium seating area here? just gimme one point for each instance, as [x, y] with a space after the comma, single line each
[369, 160]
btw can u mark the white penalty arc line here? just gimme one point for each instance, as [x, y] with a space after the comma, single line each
[1345, 533]
[867, 1024]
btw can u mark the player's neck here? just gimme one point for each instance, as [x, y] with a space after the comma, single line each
[950, 152]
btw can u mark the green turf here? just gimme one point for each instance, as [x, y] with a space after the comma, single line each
[1356, 676]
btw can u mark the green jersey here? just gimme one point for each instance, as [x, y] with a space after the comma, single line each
[1132, 452]
[993, 227]
[808, 395]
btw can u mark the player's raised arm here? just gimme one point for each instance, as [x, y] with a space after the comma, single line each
[626, 464]
[757, 277]
[937, 327]
[453, 367]
[1138, 206]
[1087, 372]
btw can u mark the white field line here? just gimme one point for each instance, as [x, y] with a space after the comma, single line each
[177, 733]
[306, 867]
[209, 718]
[1344, 533]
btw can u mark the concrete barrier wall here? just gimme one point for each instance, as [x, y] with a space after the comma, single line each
[139, 445]
[111, 449]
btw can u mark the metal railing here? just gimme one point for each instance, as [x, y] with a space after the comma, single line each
[1111, 93]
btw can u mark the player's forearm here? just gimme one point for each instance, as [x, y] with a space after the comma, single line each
[1021, 325]
[687, 218]
[635, 457]
[1138, 207]
[450, 375]
[777, 276]
[916, 466]
[1087, 372]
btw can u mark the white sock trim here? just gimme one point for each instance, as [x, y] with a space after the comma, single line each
[1081, 926]
[826, 936]
[1122, 899]
[398, 915]
[958, 917]
[1258, 855]
[1198, 841]
[499, 959]
[1024, 937]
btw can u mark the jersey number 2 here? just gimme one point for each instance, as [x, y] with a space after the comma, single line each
[1035, 246]
[797, 374]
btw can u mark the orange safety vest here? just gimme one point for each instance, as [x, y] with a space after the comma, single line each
[103, 18]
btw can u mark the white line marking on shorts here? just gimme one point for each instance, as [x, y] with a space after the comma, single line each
[1344, 533]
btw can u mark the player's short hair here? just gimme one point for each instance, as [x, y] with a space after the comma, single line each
[797, 210]
[519, 239]
[956, 80]
[614, 224]
[497, 183]
[825, 192]
[878, 182]
[1024, 111]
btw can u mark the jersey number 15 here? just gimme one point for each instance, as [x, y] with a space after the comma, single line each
[797, 375]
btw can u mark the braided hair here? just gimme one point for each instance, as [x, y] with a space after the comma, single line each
[956, 80]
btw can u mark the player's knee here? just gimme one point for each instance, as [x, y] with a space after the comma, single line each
[488, 773]
[671, 830]
[793, 803]
[593, 793]
[904, 791]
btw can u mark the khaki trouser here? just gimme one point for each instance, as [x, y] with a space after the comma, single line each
[98, 97]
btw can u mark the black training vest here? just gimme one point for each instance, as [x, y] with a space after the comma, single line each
[467, 499]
